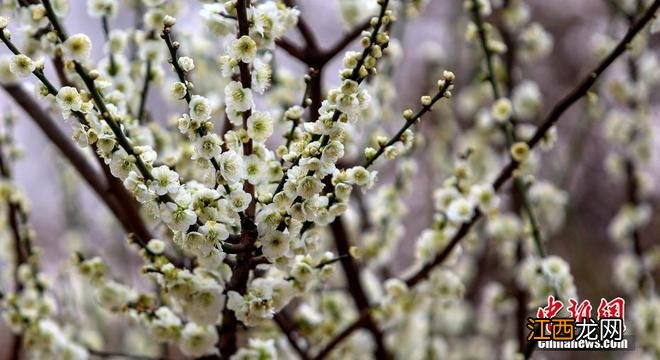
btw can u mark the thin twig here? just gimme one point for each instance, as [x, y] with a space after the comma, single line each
[288, 328]
[352, 272]
[425, 109]
[291, 48]
[508, 128]
[106, 31]
[346, 40]
[343, 335]
[145, 91]
[20, 255]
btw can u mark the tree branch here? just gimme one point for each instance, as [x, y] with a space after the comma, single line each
[291, 48]
[346, 40]
[286, 325]
[352, 272]
[68, 149]
[339, 338]
[20, 256]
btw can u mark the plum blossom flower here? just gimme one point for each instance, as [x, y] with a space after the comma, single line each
[21, 65]
[164, 180]
[198, 340]
[232, 167]
[78, 47]
[238, 98]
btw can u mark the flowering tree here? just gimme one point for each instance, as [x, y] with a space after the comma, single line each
[266, 181]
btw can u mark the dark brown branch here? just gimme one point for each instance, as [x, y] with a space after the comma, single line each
[239, 279]
[315, 93]
[58, 64]
[172, 48]
[352, 272]
[69, 150]
[241, 271]
[246, 83]
[116, 188]
[112, 70]
[145, 92]
[308, 98]
[365, 220]
[20, 255]
[346, 40]
[288, 328]
[307, 34]
[339, 338]
[291, 48]
[312, 55]
[304, 29]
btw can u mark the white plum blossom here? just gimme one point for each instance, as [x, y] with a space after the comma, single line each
[262, 74]
[274, 245]
[156, 246]
[69, 99]
[259, 126]
[186, 63]
[555, 268]
[208, 146]
[536, 41]
[121, 164]
[484, 197]
[460, 210]
[78, 47]
[21, 65]
[243, 49]
[200, 108]
[232, 167]
[362, 177]
[239, 200]
[502, 110]
[166, 326]
[99, 8]
[164, 180]
[198, 340]
[237, 97]
[257, 349]
[206, 303]
[7, 77]
[176, 217]
[178, 90]
[526, 99]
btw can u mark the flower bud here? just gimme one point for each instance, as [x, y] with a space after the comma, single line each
[448, 75]
[169, 21]
[426, 100]
[520, 151]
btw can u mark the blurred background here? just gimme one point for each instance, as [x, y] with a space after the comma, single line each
[65, 215]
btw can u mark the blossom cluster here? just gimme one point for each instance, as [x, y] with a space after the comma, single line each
[248, 184]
